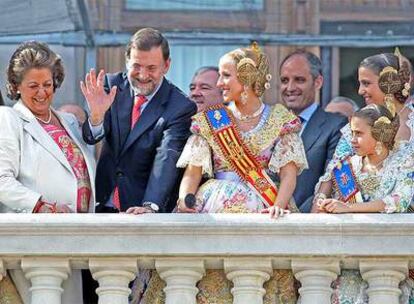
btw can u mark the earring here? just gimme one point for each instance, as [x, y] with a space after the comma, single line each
[244, 96]
[378, 148]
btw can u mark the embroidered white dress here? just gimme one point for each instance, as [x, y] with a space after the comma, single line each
[274, 141]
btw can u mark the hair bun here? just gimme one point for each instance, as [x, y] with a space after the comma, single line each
[247, 71]
[389, 81]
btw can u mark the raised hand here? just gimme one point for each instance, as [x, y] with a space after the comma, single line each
[98, 100]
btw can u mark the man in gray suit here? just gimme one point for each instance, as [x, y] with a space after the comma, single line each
[300, 80]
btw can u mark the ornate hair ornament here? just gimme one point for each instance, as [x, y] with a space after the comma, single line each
[247, 71]
[407, 87]
[390, 83]
[382, 120]
[264, 76]
[384, 130]
[254, 73]
[397, 52]
[406, 91]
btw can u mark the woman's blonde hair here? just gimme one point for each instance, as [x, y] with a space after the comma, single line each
[252, 68]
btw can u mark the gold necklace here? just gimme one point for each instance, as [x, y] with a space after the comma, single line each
[45, 121]
[371, 167]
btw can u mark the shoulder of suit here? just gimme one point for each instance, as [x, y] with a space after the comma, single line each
[179, 100]
[332, 118]
[177, 92]
[335, 118]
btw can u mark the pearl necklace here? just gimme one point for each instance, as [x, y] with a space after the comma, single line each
[247, 117]
[46, 121]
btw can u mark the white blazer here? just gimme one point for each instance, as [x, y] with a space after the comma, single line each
[32, 165]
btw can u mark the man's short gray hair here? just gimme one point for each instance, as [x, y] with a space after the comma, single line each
[352, 102]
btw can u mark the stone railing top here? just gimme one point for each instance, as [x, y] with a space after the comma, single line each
[208, 235]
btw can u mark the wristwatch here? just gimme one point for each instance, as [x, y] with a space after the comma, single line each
[151, 206]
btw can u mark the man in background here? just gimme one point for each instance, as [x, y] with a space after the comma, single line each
[203, 88]
[300, 80]
[342, 105]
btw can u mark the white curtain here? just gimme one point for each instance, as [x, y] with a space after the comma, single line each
[195, 4]
[185, 60]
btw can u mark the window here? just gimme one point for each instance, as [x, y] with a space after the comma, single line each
[215, 5]
[186, 59]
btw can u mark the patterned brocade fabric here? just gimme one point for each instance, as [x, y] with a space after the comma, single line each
[281, 288]
[214, 288]
[8, 292]
[349, 288]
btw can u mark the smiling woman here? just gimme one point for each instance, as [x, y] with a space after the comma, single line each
[36, 90]
[384, 184]
[384, 79]
[45, 167]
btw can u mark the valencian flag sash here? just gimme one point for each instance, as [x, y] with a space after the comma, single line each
[345, 182]
[243, 162]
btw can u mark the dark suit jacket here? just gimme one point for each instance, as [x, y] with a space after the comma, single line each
[320, 137]
[142, 161]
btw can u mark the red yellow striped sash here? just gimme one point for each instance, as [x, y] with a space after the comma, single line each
[242, 160]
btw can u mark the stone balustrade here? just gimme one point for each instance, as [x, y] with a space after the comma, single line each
[182, 247]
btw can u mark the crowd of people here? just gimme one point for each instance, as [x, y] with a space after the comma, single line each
[223, 149]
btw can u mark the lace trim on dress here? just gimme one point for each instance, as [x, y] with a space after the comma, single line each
[197, 153]
[288, 149]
